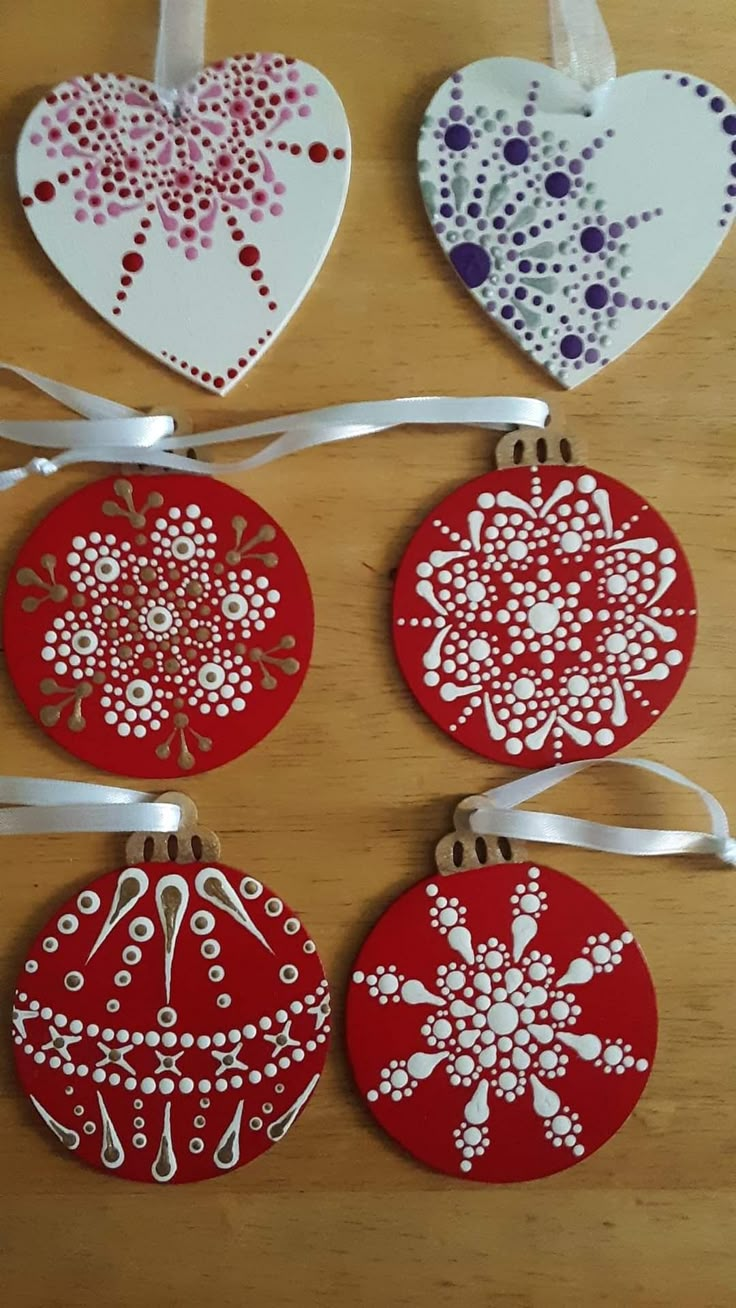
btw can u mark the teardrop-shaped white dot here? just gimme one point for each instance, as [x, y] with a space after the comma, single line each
[422, 1065]
[578, 973]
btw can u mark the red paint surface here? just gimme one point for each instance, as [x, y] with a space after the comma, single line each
[499, 553]
[616, 1006]
[203, 640]
[201, 1086]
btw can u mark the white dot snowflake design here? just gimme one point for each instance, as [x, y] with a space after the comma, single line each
[168, 628]
[502, 1020]
[547, 618]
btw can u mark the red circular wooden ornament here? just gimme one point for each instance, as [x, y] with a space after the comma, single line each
[170, 1023]
[158, 626]
[501, 1023]
[543, 615]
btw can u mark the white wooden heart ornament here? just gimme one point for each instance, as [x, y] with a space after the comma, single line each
[196, 230]
[577, 222]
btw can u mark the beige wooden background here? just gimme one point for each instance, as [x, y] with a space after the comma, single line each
[340, 808]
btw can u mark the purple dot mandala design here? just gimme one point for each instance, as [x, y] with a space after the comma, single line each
[519, 213]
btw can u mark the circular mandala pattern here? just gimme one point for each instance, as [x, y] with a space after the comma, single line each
[501, 1023]
[139, 1058]
[158, 625]
[543, 615]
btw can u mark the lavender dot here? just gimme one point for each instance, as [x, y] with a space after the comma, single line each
[456, 113]
[457, 137]
[576, 166]
[524, 128]
[651, 304]
[596, 297]
[571, 347]
[591, 356]
[701, 90]
[592, 239]
[632, 221]
[471, 262]
[636, 303]
[619, 299]
[616, 230]
[684, 81]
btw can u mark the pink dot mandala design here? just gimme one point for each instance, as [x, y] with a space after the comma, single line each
[501, 1023]
[543, 615]
[157, 626]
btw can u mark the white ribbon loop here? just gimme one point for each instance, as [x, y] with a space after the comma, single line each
[581, 46]
[35, 806]
[180, 45]
[499, 816]
[111, 433]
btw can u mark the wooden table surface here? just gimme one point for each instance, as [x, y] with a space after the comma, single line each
[340, 808]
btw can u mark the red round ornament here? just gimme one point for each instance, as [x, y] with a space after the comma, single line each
[501, 1023]
[158, 625]
[170, 1023]
[544, 614]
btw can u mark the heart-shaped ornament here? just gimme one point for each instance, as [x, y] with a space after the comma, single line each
[577, 225]
[195, 230]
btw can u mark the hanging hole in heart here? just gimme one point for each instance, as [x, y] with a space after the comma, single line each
[197, 848]
[541, 450]
[172, 846]
[518, 454]
[481, 850]
[457, 853]
[504, 848]
[566, 450]
[148, 848]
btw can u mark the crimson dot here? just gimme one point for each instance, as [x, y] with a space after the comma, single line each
[132, 261]
[45, 191]
[219, 382]
[249, 255]
[318, 152]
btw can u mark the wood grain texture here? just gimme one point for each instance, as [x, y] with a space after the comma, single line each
[341, 807]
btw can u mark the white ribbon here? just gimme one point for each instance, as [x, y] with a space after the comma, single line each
[45, 807]
[581, 46]
[180, 45]
[498, 816]
[113, 433]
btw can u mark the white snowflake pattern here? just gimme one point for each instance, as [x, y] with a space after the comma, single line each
[170, 620]
[502, 1022]
[547, 619]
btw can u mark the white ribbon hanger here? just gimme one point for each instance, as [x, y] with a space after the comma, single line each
[36, 806]
[180, 46]
[499, 815]
[114, 433]
[581, 47]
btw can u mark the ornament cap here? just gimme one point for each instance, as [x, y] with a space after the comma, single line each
[530, 449]
[463, 850]
[191, 843]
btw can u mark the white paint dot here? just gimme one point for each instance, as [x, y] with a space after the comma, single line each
[543, 617]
